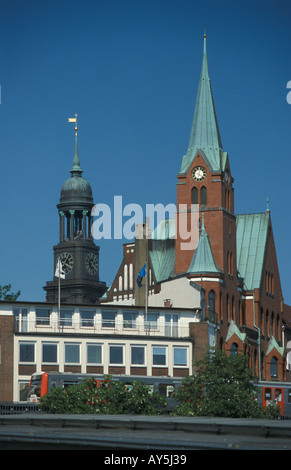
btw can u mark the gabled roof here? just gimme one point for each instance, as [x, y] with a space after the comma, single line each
[204, 134]
[251, 238]
[203, 260]
[234, 330]
[274, 345]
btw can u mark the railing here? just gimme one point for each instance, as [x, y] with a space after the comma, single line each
[13, 408]
[122, 327]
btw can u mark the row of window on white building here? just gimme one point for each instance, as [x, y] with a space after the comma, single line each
[95, 354]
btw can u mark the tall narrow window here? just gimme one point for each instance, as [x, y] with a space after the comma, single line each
[125, 276]
[274, 367]
[194, 195]
[267, 323]
[232, 308]
[203, 196]
[272, 324]
[130, 276]
[211, 304]
[277, 327]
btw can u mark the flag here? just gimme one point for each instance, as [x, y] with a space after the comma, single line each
[141, 275]
[59, 270]
[72, 119]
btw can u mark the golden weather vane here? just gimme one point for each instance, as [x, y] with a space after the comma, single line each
[74, 120]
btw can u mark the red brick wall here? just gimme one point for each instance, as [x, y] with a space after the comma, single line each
[199, 331]
[6, 357]
[219, 224]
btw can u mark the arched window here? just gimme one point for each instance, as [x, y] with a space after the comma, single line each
[125, 277]
[194, 195]
[278, 327]
[243, 314]
[131, 276]
[274, 367]
[233, 349]
[267, 323]
[203, 196]
[261, 318]
[272, 324]
[120, 283]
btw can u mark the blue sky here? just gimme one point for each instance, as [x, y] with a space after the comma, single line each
[130, 69]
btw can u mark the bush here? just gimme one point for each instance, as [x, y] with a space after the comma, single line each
[72, 400]
[223, 386]
[113, 397]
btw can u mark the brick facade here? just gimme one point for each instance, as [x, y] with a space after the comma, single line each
[6, 356]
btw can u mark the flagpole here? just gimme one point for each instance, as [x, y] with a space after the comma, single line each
[60, 274]
[59, 293]
[146, 293]
[59, 301]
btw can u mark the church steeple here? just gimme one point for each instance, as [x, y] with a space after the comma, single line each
[76, 249]
[205, 180]
[205, 135]
[76, 169]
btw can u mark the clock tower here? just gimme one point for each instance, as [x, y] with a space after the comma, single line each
[205, 180]
[76, 249]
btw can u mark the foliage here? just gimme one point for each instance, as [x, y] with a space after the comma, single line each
[223, 386]
[5, 293]
[113, 397]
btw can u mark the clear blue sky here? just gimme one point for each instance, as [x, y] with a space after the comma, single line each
[130, 69]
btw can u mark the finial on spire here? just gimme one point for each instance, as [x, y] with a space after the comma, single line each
[76, 170]
[268, 210]
[204, 41]
[74, 120]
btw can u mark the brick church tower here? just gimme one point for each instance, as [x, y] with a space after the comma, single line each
[205, 179]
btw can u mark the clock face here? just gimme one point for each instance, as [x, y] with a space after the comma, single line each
[198, 173]
[91, 263]
[67, 261]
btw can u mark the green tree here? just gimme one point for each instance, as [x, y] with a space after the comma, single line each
[113, 397]
[222, 386]
[5, 293]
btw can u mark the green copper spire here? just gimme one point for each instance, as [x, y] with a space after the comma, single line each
[76, 169]
[204, 136]
[76, 190]
[203, 260]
